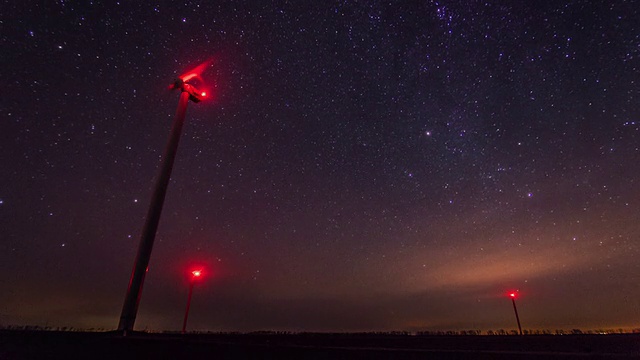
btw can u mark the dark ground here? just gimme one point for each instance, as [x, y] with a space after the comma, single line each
[80, 345]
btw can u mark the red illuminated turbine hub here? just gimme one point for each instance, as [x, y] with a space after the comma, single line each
[194, 95]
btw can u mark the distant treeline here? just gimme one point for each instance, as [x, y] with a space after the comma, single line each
[50, 328]
[473, 332]
[531, 332]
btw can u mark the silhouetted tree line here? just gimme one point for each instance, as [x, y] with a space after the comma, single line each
[49, 328]
[473, 332]
[449, 332]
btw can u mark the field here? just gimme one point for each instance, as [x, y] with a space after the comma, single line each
[88, 345]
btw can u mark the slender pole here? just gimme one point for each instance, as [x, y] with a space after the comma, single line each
[141, 265]
[517, 317]
[186, 311]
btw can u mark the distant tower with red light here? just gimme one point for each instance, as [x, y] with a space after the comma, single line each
[195, 275]
[513, 295]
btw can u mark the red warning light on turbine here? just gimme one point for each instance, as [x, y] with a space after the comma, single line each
[188, 81]
[196, 273]
[514, 294]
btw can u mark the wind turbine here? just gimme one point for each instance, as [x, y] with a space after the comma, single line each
[134, 291]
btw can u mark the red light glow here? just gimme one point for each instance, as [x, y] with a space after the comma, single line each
[514, 294]
[192, 79]
[195, 72]
[196, 273]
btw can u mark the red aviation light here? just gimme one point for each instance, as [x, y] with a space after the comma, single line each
[185, 82]
[513, 294]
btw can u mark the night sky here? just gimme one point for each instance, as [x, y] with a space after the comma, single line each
[359, 165]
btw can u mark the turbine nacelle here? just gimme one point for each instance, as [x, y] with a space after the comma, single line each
[194, 94]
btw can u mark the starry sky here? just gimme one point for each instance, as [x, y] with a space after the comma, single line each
[358, 165]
